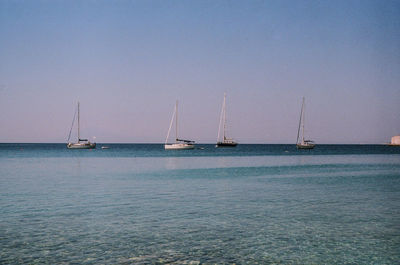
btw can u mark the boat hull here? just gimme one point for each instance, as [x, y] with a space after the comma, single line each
[180, 146]
[305, 146]
[226, 144]
[81, 145]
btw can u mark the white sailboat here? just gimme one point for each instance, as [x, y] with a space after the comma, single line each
[180, 144]
[81, 143]
[226, 142]
[302, 143]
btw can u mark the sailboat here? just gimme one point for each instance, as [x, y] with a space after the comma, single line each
[226, 142]
[301, 143]
[81, 143]
[180, 144]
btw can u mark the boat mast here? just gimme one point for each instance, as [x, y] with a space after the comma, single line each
[176, 121]
[220, 120]
[298, 129]
[224, 108]
[79, 137]
[303, 119]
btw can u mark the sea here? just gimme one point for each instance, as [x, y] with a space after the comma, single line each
[253, 204]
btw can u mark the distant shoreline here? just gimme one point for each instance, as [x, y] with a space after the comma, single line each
[101, 143]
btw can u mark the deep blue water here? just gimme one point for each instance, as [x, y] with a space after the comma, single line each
[140, 204]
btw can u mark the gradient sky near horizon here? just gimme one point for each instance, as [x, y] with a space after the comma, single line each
[127, 62]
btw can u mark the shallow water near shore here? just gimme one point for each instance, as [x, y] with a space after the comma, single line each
[140, 204]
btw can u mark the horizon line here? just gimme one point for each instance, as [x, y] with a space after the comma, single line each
[158, 143]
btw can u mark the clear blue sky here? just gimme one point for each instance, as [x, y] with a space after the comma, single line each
[128, 61]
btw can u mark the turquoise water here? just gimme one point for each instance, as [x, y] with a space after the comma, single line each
[140, 204]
